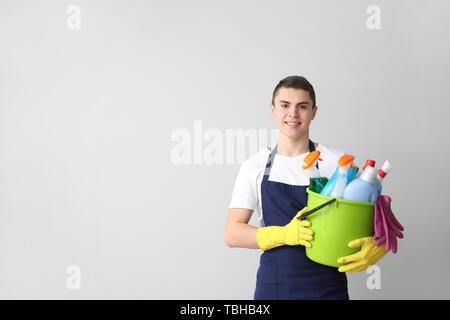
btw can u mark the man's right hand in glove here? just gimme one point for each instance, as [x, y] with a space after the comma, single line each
[294, 233]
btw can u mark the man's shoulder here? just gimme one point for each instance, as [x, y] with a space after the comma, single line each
[330, 158]
[326, 149]
[330, 155]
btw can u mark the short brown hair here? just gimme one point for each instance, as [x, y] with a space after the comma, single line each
[296, 82]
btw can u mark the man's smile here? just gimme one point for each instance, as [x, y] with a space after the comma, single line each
[292, 124]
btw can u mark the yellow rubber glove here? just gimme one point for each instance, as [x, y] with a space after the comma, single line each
[294, 233]
[369, 255]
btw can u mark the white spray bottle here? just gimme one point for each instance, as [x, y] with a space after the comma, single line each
[309, 164]
[385, 168]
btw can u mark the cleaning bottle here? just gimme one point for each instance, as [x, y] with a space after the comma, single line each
[385, 168]
[364, 187]
[352, 172]
[316, 182]
[336, 185]
[344, 163]
[309, 164]
[370, 163]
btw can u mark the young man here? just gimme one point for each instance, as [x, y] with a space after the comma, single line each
[272, 183]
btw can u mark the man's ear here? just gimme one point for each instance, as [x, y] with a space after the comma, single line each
[314, 112]
[272, 110]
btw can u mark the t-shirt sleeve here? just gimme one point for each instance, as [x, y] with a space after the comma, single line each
[245, 191]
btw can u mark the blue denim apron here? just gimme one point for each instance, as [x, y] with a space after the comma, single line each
[286, 272]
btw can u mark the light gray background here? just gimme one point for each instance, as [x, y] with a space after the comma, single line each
[86, 176]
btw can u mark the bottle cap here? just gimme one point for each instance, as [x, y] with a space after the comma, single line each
[386, 166]
[345, 159]
[384, 169]
[310, 159]
[370, 163]
[369, 174]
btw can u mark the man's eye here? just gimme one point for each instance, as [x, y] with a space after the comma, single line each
[284, 106]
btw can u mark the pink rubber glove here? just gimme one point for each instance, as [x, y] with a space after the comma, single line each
[387, 227]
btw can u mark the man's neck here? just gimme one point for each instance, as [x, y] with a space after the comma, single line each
[292, 148]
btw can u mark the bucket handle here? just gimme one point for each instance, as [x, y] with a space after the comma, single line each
[307, 213]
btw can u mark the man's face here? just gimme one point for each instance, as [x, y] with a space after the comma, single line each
[293, 111]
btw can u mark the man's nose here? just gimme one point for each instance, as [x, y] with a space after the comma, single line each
[293, 113]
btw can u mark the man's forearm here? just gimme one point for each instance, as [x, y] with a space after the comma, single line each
[241, 235]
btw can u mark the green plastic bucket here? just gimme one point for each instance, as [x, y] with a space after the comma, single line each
[335, 226]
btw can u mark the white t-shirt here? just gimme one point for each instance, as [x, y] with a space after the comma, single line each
[247, 188]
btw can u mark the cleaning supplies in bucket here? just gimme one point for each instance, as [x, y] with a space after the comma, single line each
[354, 211]
[345, 184]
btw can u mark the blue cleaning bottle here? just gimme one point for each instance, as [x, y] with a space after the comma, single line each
[336, 185]
[352, 172]
[363, 188]
[326, 191]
